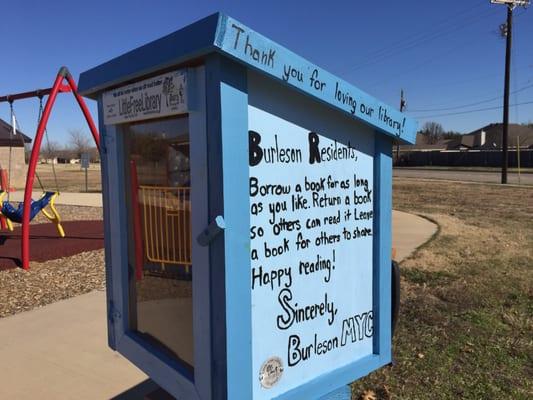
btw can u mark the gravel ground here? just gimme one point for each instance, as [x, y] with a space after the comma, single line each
[73, 213]
[53, 280]
[157, 288]
[50, 281]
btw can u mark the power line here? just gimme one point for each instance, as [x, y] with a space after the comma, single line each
[415, 36]
[423, 63]
[472, 111]
[507, 32]
[472, 104]
[423, 38]
[461, 82]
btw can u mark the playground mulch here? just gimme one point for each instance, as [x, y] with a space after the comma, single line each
[55, 279]
[50, 281]
[45, 244]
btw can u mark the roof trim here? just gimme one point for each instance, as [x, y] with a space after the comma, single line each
[191, 42]
[220, 33]
[260, 53]
[16, 138]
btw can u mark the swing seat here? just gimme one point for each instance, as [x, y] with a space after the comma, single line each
[13, 214]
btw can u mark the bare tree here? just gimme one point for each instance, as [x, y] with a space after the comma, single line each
[433, 132]
[50, 150]
[79, 141]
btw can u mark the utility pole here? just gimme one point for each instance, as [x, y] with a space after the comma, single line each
[508, 32]
[402, 108]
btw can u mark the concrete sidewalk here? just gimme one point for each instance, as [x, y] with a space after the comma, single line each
[65, 198]
[409, 232]
[60, 351]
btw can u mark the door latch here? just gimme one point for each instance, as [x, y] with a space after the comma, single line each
[211, 232]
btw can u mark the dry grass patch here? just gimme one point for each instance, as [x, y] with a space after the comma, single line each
[467, 297]
[70, 178]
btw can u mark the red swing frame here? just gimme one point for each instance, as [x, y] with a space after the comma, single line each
[63, 83]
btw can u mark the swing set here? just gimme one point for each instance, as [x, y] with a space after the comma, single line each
[27, 210]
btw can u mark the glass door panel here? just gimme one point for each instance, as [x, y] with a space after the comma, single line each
[159, 216]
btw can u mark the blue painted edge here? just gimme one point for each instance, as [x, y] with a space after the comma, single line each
[334, 381]
[165, 370]
[161, 369]
[234, 132]
[194, 40]
[382, 246]
[216, 208]
[116, 248]
[343, 393]
[219, 32]
[107, 231]
[201, 270]
[262, 54]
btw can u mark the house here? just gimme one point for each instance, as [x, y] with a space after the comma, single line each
[490, 136]
[481, 147]
[14, 145]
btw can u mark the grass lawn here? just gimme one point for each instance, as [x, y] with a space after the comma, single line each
[70, 178]
[466, 318]
[469, 169]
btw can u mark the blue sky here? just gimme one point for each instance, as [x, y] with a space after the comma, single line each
[445, 55]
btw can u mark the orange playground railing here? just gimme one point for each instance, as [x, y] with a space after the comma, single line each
[166, 224]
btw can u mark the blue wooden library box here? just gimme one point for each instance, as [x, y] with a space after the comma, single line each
[247, 207]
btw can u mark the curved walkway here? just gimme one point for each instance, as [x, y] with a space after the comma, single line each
[409, 232]
[60, 351]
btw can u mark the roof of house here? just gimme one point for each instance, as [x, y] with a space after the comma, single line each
[7, 138]
[423, 145]
[473, 140]
[493, 135]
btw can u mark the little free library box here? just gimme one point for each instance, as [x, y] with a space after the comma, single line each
[247, 206]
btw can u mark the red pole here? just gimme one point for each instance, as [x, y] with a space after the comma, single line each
[137, 237]
[31, 170]
[3, 186]
[84, 108]
[56, 88]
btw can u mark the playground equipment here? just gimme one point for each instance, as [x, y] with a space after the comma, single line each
[270, 179]
[12, 214]
[23, 214]
[162, 225]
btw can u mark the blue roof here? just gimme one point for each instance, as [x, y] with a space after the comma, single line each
[223, 34]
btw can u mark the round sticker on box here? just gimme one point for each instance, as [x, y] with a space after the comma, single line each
[271, 372]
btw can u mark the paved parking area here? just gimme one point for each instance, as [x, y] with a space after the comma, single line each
[458, 175]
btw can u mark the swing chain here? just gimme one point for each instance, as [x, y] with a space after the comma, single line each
[41, 110]
[13, 128]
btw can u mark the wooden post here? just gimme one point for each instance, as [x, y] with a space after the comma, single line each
[518, 156]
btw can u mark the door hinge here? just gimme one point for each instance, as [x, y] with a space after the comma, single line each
[113, 314]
